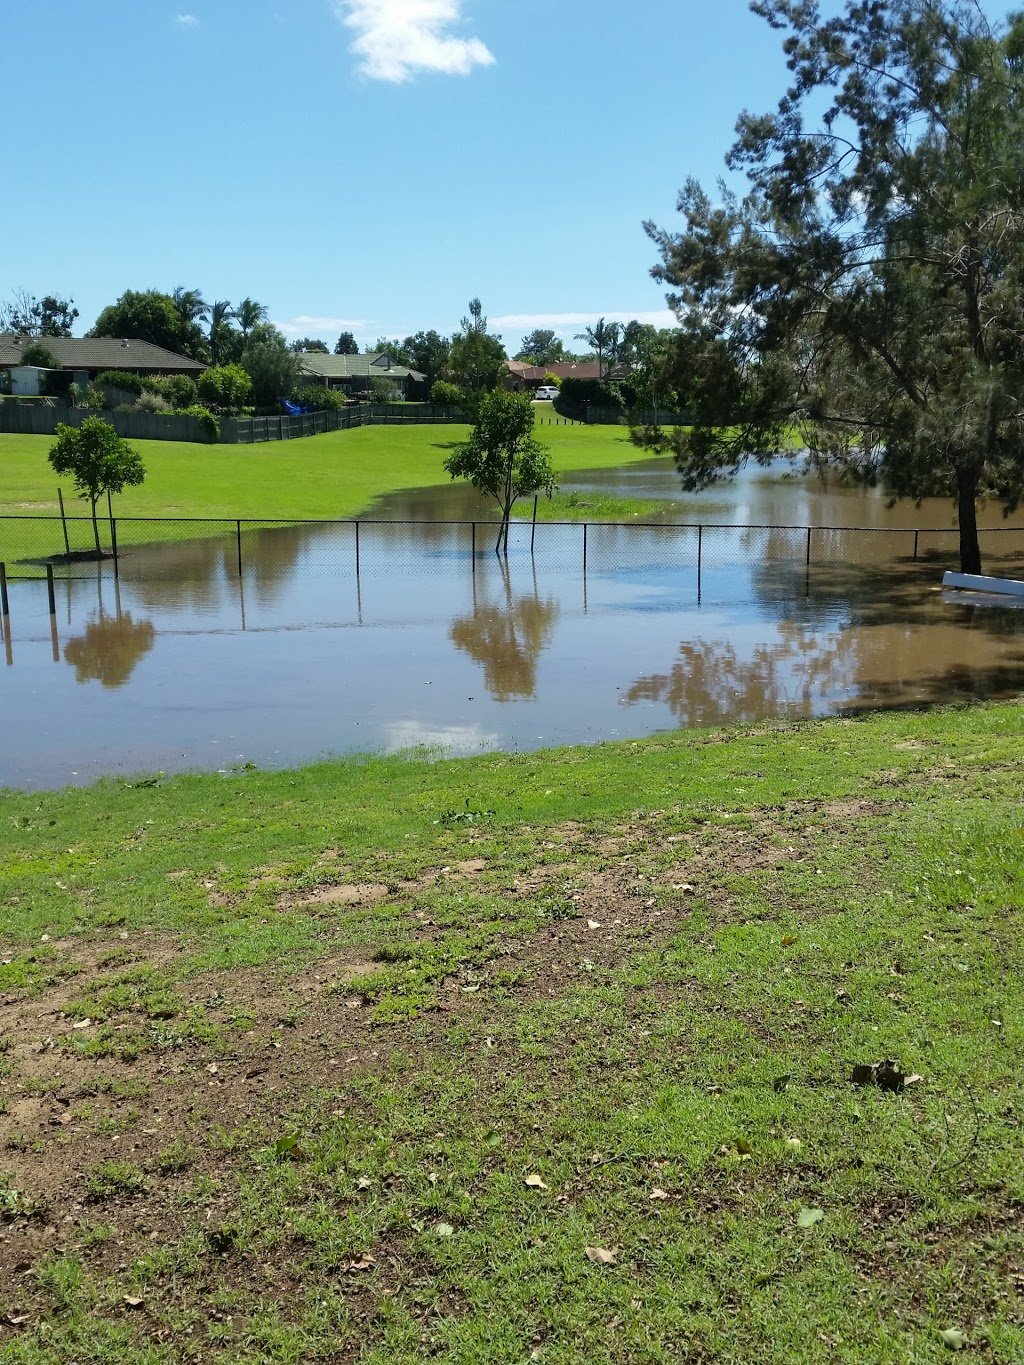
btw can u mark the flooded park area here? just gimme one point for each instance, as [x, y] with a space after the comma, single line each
[406, 630]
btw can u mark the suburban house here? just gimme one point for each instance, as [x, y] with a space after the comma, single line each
[522, 376]
[81, 359]
[354, 373]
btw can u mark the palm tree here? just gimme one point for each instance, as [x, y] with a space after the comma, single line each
[190, 305]
[249, 313]
[603, 338]
[221, 314]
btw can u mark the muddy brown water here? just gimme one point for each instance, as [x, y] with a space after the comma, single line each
[180, 664]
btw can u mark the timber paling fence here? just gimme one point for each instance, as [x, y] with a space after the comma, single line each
[27, 419]
[35, 419]
[187, 549]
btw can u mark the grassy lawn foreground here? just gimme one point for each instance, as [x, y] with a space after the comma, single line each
[525, 1057]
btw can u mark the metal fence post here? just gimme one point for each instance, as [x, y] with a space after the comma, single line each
[533, 532]
[49, 590]
[808, 547]
[474, 547]
[584, 548]
[700, 553]
[238, 538]
[5, 606]
[63, 521]
[113, 546]
[357, 549]
[916, 534]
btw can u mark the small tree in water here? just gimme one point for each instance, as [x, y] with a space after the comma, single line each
[502, 456]
[98, 460]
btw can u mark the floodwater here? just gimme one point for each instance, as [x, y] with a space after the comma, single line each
[183, 664]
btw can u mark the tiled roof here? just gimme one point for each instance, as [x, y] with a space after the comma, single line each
[98, 353]
[373, 366]
[575, 369]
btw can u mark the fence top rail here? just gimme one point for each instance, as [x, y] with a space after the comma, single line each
[493, 521]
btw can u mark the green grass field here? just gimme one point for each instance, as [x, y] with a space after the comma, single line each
[537, 1057]
[334, 475]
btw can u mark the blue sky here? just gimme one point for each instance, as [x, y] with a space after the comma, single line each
[369, 164]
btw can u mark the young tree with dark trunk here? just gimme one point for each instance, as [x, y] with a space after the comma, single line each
[98, 460]
[502, 457]
[868, 289]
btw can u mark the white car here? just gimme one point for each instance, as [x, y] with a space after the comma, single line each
[545, 393]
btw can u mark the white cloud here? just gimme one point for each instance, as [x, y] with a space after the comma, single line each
[395, 39]
[304, 324]
[187, 21]
[661, 317]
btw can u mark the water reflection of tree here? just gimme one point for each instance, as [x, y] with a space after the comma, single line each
[506, 638]
[711, 684]
[109, 648]
[192, 573]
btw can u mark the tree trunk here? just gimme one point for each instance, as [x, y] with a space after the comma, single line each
[967, 515]
[96, 529]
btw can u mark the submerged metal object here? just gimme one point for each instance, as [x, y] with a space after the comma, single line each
[977, 582]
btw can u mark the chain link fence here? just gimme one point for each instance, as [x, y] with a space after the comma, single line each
[183, 550]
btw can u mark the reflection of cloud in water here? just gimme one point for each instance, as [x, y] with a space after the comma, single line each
[453, 739]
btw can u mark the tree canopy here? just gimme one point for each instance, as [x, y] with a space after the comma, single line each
[146, 316]
[868, 287]
[541, 347]
[603, 338]
[27, 316]
[502, 457]
[346, 345]
[477, 357]
[428, 353]
[98, 460]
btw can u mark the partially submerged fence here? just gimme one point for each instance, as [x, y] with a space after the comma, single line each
[177, 549]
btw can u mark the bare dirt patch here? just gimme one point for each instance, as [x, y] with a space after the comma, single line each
[249, 1046]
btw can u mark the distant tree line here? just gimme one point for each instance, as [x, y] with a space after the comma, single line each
[253, 366]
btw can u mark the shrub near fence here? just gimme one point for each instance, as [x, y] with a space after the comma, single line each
[21, 419]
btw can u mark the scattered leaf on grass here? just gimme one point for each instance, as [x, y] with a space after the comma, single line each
[133, 1301]
[492, 1140]
[789, 940]
[593, 924]
[83, 1023]
[953, 1339]
[794, 1142]
[657, 1193]
[535, 1182]
[807, 1218]
[743, 1147]
[602, 1255]
[889, 1077]
[445, 1230]
[363, 1261]
[289, 1148]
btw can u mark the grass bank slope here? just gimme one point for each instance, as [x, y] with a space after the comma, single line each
[334, 475]
[526, 1057]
